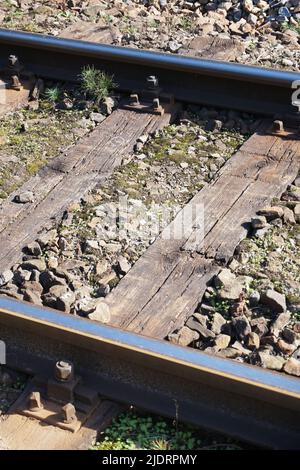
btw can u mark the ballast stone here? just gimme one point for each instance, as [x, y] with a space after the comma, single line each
[24, 197]
[5, 277]
[101, 313]
[274, 300]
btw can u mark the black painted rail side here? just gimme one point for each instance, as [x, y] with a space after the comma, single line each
[246, 402]
[208, 82]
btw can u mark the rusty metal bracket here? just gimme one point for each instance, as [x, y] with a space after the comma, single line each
[151, 99]
[61, 400]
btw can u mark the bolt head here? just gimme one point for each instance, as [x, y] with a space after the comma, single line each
[156, 103]
[64, 371]
[152, 81]
[278, 126]
[34, 401]
[69, 413]
[134, 100]
[13, 60]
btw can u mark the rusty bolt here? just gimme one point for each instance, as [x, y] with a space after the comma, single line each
[278, 126]
[152, 82]
[64, 371]
[34, 401]
[69, 413]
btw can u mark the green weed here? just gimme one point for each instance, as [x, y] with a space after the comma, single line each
[53, 94]
[131, 431]
[95, 83]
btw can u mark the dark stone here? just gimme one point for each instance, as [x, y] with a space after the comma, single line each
[48, 279]
[289, 335]
[33, 285]
[259, 326]
[202, 330]
[274, 300]
[241, 327]
[33, 249]
[32, 296]
[34, 263]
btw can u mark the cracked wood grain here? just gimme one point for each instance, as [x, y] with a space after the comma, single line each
[69, 177]
[166, 284]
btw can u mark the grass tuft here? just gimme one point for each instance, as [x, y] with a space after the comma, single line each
[52, 94]
[95, 83]
[293, 27]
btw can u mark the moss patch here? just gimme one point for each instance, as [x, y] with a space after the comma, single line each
[30, 138]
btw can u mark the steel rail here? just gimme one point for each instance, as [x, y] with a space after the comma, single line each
[244, 401]
[190, 79]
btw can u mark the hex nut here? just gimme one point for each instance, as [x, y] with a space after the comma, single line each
[64, 371]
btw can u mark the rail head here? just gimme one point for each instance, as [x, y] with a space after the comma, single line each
[207, 82]
[168, 61]
[225, 396]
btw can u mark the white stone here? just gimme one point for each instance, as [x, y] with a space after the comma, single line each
[224, 278]
[101, 313]
[287, 62]
[26, 196]
[252, 19]
[271, 362]
[222, 341]
[5, 277]
[292, 366]
[92, 247]
[274, 300]
[248, 5]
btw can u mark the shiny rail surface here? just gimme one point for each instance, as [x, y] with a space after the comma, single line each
[247, 402]
[190, 79]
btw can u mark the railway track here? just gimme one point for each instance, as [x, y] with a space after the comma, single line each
[208, 82]
[259, 406]
[245, 402]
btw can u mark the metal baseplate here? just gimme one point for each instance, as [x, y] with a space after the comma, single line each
[61, 400]
[151, 99]
[14, 78]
